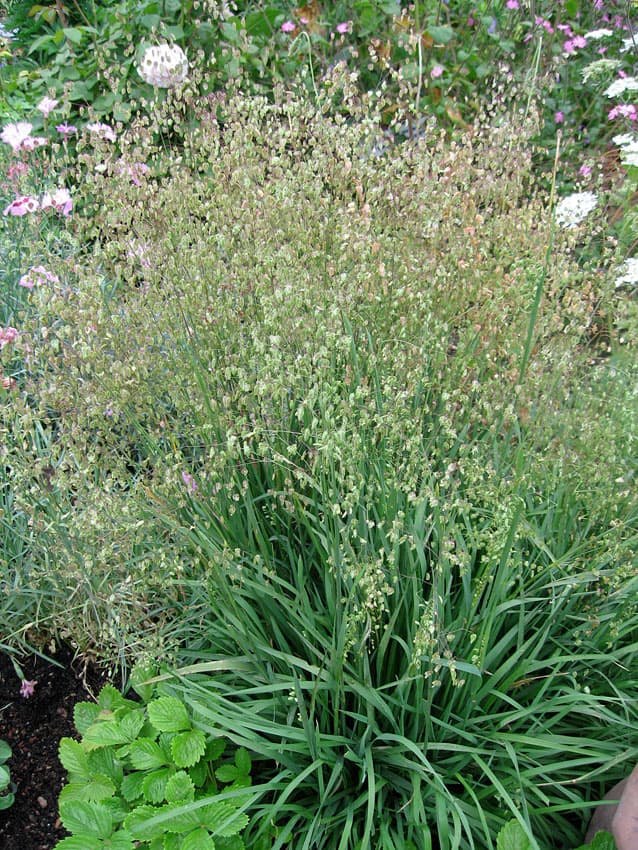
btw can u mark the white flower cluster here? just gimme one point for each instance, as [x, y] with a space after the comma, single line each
[596, 34]
[630, 276]
[622, 84]
[163, 65]
[628, 145]
[570, 211]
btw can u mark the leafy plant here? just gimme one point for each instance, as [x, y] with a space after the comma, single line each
[146, 775]
[513, 837]
[6, 796]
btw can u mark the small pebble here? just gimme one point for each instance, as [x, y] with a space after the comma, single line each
[42, 803]
[62, 712]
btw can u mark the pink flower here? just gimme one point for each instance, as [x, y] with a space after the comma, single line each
[566, 29]
[134, 171]
[512, 4]
[437, 71]
[569, 47]
[60, 201]
[33, 142]
[27, 688]
[288, 26]
[7, 336]
[623, 110]
[580, 41]
[541, 22]
[47, 105]
[37, 275]
[66, 130]
[343, 27]
[15, 134]
[585, 170]
[102, 130]
[22, 206]
[189, 481]
[559, 117]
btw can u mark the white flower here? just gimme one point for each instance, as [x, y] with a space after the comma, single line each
[599, 69]
[630, 276]
[628, 43]
[102, 130]
[629, 157]
[624, 139]
[163, 65]
[621, 85]
[571, 210]
[596, 34]
[16, 134]
[47, 105]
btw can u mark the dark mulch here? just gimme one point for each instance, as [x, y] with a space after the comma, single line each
[33, 727]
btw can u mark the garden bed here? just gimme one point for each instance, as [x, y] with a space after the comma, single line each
[33, 727]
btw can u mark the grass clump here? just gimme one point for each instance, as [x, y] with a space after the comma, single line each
[325, 418]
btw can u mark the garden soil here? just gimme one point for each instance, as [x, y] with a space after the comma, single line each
[33, 727]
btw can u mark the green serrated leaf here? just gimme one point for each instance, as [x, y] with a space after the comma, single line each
[171, 842]
[236, 842]
[168, 714]
[601, 841]
[5, 751]
[180, 788]
[187, 748]
[199, 773]
[513, 837]
[154, 785]
[84, 715]
[73, 757]
[121, 840]
[98, 788]
[131, 723]
[198, 839]
[104, 733]
[139, 675]
[222, 818]
[110, 698]
[226, 773]
[103, 761]
[215, 749]
[116, 807]
[86, 819]
[146, 754]
[148, 822]
[80, 842]
[242, 761]
[131, 787]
